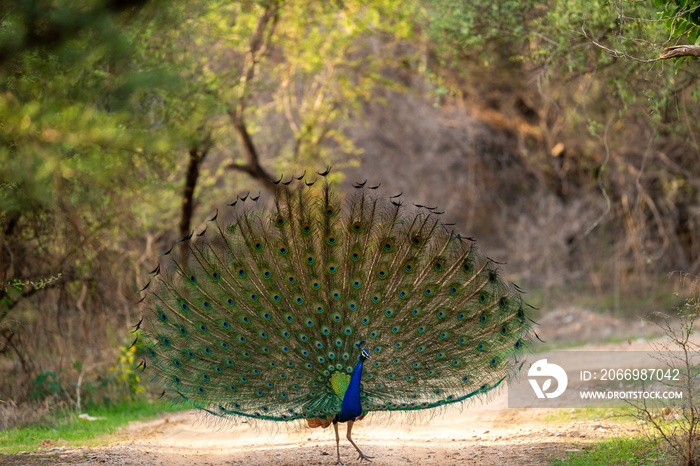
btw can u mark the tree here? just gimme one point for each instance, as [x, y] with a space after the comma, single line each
[601, 124]
[116, 114]
[74, 154]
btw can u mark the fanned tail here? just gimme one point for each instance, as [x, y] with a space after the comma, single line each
[266, 306]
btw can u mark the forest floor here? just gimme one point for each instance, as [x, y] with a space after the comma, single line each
[488, 434]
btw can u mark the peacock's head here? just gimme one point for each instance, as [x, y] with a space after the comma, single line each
[364, 353]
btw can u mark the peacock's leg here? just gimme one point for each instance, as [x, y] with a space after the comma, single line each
[362, 456]
[337, 441]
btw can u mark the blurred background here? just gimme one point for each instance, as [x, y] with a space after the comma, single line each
[546, 129]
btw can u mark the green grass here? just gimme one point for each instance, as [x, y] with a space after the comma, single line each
[563, 415]
[616, 451]
[69, 430]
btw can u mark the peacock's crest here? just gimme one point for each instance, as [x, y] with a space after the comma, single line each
[265, 314]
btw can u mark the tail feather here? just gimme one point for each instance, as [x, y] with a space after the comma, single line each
[264, 308]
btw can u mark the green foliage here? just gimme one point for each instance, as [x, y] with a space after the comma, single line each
[124, 376]
[80, 388]
[554, 29]
[74, 155]
[39, 284]
[39, 25]
[681, 18]
[45, 384]
[479, 27]
[306, 81]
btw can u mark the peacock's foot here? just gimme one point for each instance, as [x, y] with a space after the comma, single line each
[338, 462]
[363, 457]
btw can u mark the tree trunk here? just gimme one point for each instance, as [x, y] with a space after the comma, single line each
[197, 156]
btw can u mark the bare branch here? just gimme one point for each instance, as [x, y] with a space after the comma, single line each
[252, 166]
[258, 45]
[614, 52]
[680, 51]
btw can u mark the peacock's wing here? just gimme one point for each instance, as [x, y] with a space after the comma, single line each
[263, 314]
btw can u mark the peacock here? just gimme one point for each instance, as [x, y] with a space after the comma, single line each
[321, 309]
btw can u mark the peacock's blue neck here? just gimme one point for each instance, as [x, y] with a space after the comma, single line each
[351, 407]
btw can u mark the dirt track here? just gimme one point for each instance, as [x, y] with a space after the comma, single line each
[490, 434]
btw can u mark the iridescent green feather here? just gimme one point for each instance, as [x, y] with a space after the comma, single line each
[263, 315]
